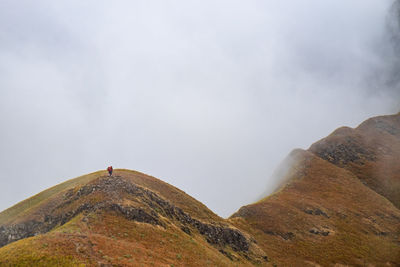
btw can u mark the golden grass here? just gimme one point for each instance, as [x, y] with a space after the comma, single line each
[172, 194]
[353, 240]
[111, 239]
[363, 225]
[26, 206]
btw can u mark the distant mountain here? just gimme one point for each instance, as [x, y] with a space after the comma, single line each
[337, 204]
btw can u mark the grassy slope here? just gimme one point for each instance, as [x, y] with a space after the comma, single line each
[363, 226]
[32, 207]
[111, 239]
[371, 152]
[25, 207]
[105, 237]
[173, 194]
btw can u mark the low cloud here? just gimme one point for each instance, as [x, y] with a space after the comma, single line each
[208, 96]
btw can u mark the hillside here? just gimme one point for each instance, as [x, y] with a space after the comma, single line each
[371, 152]
[127, 219]
[337, 205]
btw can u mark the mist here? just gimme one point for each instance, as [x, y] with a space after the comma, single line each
[209, 96]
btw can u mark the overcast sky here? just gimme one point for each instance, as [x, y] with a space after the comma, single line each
[206, 95]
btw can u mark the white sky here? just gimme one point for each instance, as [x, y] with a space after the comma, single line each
[207, 95]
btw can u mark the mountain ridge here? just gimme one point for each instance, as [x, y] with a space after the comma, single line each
[123, 197]
[336, 204]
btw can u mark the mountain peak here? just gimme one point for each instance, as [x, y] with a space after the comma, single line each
[124, 198]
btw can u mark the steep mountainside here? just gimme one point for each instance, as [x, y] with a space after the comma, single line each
[337, 205]
[371, 152]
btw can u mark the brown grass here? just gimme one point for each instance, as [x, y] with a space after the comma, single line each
[111, 239]
[319, 184]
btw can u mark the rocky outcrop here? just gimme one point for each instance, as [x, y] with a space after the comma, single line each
[370, 151]
[319, 232]
[284, 235]
[12, 233]
[151, 209]
[343, 153]
[317, 212]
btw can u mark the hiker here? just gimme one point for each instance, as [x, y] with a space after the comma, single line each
[110, 170]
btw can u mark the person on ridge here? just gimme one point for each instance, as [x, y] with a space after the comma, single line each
[110, 170]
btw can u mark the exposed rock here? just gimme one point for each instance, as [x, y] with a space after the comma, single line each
[319, 232]
[285, 236]
[316, 211]
[114, 188]
[343, 153]
[19, 231]
[186, 229]
[226, 253]
[136, 214]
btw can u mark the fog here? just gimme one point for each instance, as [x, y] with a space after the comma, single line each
[209, 96]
